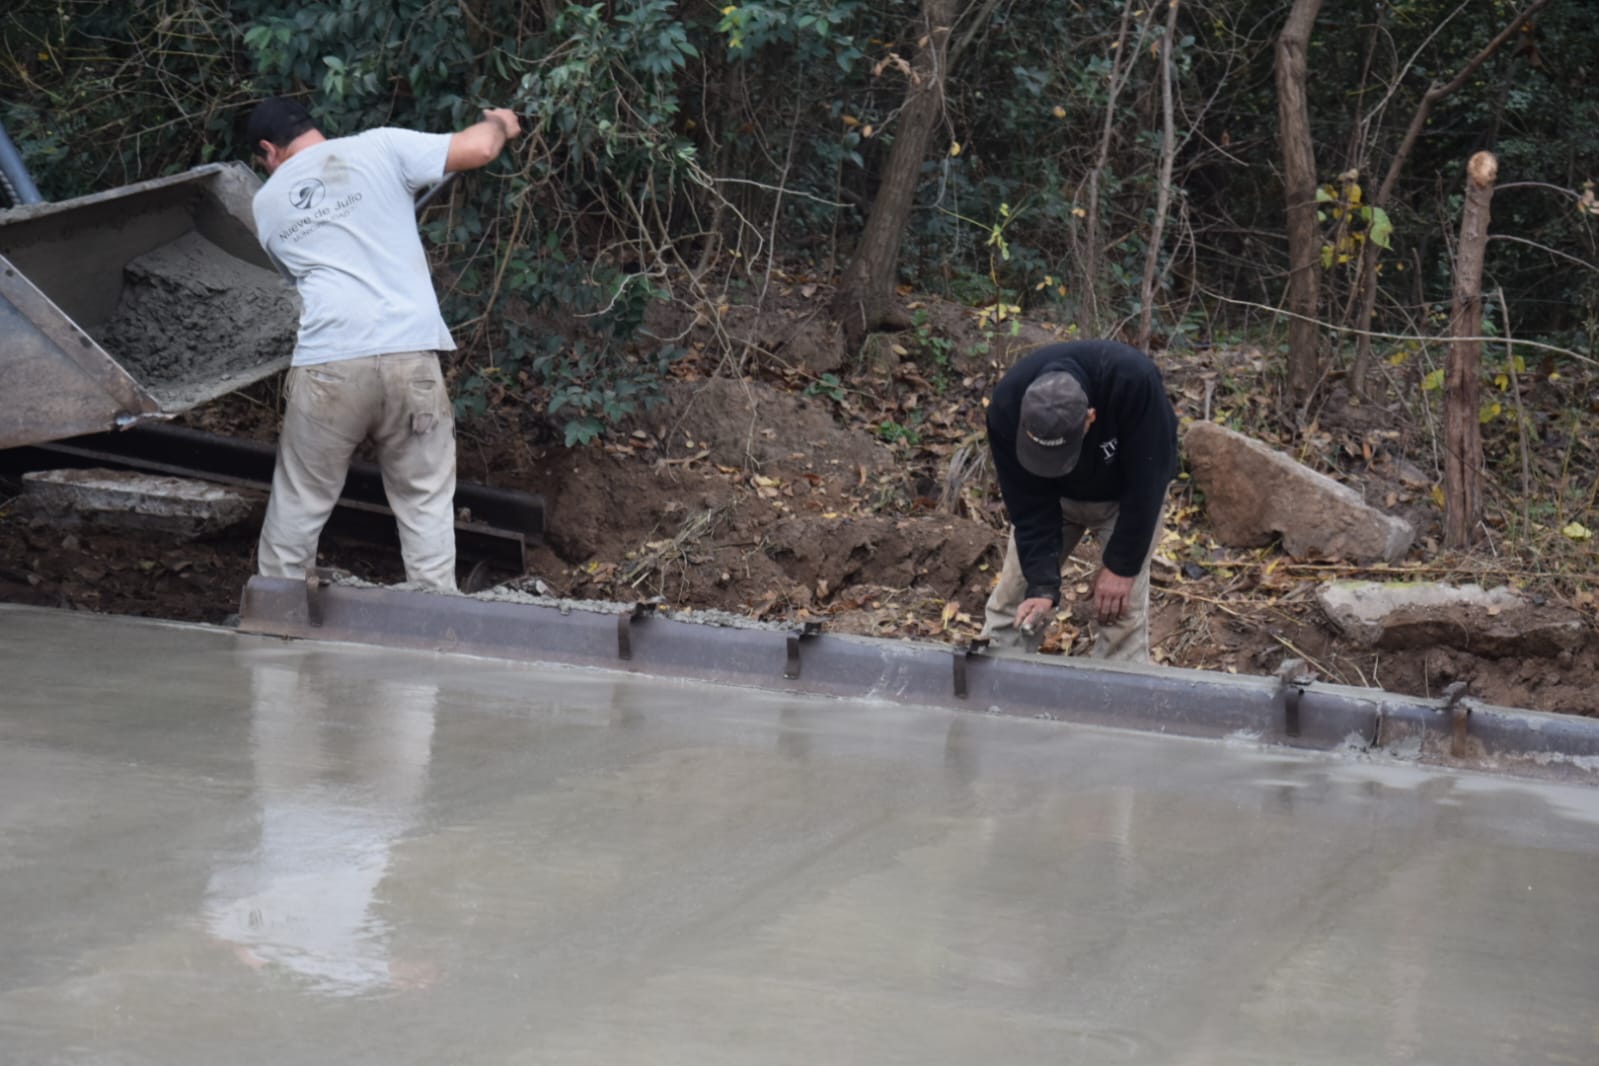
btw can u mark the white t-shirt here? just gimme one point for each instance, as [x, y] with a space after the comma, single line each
[338, 219]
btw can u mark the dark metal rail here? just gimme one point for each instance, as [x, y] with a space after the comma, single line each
[500, 526]
[1290, 710]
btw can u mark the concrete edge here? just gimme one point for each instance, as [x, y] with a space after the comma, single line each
[1184, 702]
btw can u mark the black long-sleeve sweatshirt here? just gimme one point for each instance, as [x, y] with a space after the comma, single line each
[1129, 455]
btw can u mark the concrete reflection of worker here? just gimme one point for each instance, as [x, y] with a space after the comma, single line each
[337, 217]
[338, 780]
[1083, 437]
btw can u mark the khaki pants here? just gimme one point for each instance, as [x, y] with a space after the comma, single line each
[1126, 640]
[399, 401]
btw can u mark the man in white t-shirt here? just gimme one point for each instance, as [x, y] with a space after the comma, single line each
[337, 217]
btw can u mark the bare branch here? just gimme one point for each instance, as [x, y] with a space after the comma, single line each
[1353, 331]
[1557, 253]
[1437, 92]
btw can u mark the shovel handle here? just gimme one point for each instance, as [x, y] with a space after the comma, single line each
[433, 193]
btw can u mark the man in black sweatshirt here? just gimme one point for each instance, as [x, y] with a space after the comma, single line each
[1083, 437]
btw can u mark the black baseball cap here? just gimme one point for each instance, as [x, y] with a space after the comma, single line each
[1054, 420]
[278, 120]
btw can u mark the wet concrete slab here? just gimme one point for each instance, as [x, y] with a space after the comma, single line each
[216, 848]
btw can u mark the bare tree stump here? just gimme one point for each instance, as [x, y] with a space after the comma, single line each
[1463, 370]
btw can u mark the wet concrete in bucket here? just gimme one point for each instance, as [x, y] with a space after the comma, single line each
[216, 848]
[191, 315]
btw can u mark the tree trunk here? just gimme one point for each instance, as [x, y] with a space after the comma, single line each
[1463, 372]
[1168, 150]
[719, 119]
[1299, 181]
[1384, 193]
[865, 300]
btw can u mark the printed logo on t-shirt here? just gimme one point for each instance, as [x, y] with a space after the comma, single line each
[307, 194]
[314, 191]
[1108, 449]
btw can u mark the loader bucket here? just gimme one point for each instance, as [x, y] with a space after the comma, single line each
[135, 303]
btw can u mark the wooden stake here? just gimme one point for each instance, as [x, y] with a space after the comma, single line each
[1463, 370]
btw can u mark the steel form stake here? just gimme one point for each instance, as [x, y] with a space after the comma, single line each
[975, 646]
[624, 623]
[1294, 680]
[1459, 712]
[791, 666]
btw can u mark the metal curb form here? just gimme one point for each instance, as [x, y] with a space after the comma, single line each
[1289, 709]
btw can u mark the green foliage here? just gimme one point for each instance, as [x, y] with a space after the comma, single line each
[892, 432]
[103, 94]
[1353, 223]
[660, 131]
[595, 393]
[607, 94]
[829, 386]
[355, 53]
[801, 29]
[935, 353]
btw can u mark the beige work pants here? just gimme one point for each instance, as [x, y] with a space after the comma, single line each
[399, 401]
[1126, 640]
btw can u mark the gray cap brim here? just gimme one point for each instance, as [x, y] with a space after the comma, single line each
[1048, 461]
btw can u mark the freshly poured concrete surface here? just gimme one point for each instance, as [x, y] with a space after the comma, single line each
[222, 849]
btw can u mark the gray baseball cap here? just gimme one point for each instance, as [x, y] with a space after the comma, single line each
[1054, 420]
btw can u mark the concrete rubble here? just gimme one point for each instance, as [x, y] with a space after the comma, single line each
[1253, 494]
[1496, 622]
[125, 499]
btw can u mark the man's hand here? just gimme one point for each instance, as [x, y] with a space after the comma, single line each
[1033, 613]
[480, 144]
[1111, 593]
[507, 120]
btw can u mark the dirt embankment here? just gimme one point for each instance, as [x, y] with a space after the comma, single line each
[735, 495]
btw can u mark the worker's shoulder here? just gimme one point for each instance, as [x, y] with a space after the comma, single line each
[375, 137]
[363, 140]
[387, 135]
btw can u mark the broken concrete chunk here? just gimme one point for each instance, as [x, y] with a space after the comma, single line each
[125, 499]
[1497, 623]
[1358, 608]
[1254, 494]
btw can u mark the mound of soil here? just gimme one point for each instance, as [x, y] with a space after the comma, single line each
[750, 423]
[738, 496]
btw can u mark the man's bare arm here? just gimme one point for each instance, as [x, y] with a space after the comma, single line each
[478, 145]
